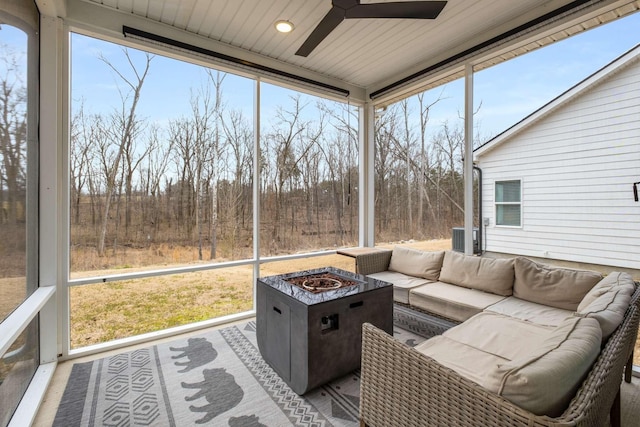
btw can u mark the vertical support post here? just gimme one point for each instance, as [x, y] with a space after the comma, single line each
[366, 193]
[256, 187]
[51, 272]
[468, 160]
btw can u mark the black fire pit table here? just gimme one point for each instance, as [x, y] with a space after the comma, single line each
[309, 323]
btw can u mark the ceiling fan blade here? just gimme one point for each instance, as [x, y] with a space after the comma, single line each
[406, 10]
[330, 21]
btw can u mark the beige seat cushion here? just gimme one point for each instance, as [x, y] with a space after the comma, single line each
[608, 301]
[503, 336]
[414, 262]
[401, 284]
[451, 301]
[545, 381]
[530, 311]
[485, 274]
[470, 362]
[550, 285]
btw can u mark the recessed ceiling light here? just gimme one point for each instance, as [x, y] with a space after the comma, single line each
[284, 26]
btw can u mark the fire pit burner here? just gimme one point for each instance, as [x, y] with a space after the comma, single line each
[317, 283]
[321, 284]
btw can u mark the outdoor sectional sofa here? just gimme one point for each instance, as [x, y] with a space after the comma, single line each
[521, 343]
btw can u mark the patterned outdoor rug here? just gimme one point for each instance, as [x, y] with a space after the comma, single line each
[216, 379]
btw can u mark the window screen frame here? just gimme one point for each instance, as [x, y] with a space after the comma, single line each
[497, 204]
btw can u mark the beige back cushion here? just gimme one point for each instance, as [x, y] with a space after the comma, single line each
[545, 381]
[550, 285]
[485, 274]
[614, 280]
[414, 262]
[608, 301]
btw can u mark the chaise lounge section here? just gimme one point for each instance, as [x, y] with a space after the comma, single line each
[531, 344]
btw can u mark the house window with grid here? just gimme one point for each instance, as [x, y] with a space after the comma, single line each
[508, 201]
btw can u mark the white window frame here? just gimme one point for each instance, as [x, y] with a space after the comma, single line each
[496, 203]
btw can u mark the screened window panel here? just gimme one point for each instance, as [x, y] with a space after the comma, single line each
[18, 194]
[187, 167]
[508, 191]
[508, 215]
[17, 367]
[16, 128]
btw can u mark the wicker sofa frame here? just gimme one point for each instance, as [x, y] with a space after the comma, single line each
[402, 387]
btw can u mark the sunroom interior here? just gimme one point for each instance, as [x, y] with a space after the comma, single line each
[348, 71]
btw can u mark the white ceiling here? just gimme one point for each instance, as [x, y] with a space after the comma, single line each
[360, 53]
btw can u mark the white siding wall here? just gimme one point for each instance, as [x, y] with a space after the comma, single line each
[577, 167]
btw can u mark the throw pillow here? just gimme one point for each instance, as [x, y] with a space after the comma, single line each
[485, 274]
[417, 263]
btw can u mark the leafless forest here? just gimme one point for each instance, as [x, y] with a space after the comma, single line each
[135, 184]
[140, 185]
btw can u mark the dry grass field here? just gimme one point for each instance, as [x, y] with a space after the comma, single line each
[12, 293]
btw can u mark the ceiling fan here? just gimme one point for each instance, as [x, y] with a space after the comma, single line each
[347, 9]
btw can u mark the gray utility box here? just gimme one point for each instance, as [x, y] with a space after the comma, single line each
[310, 339]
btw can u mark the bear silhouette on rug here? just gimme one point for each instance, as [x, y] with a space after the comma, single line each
[198, 352]
[221, 391]
[246, 421]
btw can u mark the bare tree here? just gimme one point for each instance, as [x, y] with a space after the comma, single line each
[153, 171]
[385, 134]
[288, 147]
[424, 159]
[451, 145]
[330, 149]
[310, 174]
[239, 141]
[214, 149]
[124, 128]
[408, 142]
[135, 151]
[344, 119]
[181, 135]
[13, 137]
[84, 132]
